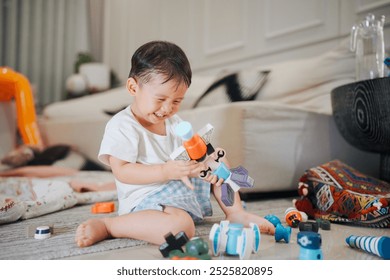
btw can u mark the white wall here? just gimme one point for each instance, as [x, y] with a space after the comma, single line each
[219, 34]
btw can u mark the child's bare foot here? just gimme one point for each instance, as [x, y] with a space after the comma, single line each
[245, 218]
[91, 232]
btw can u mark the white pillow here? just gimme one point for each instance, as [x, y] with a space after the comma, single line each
[294, 76]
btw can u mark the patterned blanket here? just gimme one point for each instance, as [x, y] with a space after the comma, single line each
[335, 191]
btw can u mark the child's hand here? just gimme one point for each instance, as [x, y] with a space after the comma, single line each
[213, 179]
[177, 169]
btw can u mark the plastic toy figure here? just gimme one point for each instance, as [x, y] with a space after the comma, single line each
[282, 233]
[173, 243]
[377, 245]
[195, 249]
[308, 226]
[234, 239]
[293, 217]
[198, 147]
[15, 85]
[323, 224]
[103, 207]
[42, 232]
[273, 219]
[310, 243]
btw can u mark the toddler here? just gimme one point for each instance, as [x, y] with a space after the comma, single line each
[153, 200]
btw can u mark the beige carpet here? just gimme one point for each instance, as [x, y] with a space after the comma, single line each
[17, 244]
[17, 240]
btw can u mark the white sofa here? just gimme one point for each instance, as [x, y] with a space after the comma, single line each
[286, 130]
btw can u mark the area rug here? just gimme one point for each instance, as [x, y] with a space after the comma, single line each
[17, 240]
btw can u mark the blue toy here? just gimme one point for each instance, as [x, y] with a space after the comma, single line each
[310, 243]
[273, 219]
[377, 245]
[282, 232]
[234, 239]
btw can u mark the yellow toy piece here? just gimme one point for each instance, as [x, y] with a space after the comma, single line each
[15, 85]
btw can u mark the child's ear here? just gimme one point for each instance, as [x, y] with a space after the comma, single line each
[132, 86]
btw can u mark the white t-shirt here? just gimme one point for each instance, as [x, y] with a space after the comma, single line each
[126, 139]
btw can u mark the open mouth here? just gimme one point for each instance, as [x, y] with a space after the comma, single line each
[160, 116]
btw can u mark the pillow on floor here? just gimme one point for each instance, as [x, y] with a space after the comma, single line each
[339, 193]
[238, 86]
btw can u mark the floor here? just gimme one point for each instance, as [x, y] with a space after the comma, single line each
[333, 247]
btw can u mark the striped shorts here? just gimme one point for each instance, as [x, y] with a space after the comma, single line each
[176, 194]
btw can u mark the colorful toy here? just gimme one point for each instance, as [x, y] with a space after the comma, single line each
[103, 207]
[273, 219]
[15, 85]
[198, 147]
[282, 233]
[377, 245]
[173, 243]
[310, 245]
[195, 249]
[323, 224]
[293, 217]
[42, 232]
[234, 239]
[308, 226]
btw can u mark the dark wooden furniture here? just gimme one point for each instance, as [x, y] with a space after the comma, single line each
[362, 114]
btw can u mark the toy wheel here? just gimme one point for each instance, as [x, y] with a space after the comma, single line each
[245, 244]
[215, 238]
[256, 237]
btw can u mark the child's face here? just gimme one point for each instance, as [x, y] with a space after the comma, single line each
[155, 101]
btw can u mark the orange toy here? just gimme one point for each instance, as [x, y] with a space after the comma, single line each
[103, 207]
[293, 217]
[15, 85]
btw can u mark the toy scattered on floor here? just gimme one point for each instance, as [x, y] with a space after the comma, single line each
[173, 243]
[195, 249]
[103, 207]
[282, 233]
[293, 217]
[235, 240]
[310, 245]
[323, 224]
[198, 147]
[273, 219]
[42, 232]
[308, 226]
[377, 245]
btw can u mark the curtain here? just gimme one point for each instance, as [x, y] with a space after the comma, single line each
[96, 18]
[41, 40]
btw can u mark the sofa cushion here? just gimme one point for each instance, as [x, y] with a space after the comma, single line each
[90, 105]
[290, 78]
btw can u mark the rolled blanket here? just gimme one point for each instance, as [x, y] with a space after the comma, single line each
[336, 192]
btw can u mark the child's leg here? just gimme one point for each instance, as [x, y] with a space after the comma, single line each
[237, 214]
[147, 225]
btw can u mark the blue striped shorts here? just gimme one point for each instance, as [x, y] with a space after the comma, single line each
[176, 194]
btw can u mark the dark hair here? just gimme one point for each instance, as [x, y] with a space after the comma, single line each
[160, 57]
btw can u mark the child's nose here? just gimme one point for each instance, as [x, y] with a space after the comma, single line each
[167, 107]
